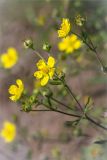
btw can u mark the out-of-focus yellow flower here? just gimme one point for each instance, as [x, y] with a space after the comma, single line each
[40, 20]
[16, 90]
[10, 58]
[8, 132]
[69, 44]
[45, 70]
[56, 152]
[65, 28]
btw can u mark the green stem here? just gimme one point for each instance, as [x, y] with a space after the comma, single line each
[86, 116]
[72, 94]
[71, 115]
[92, 48]
[94, 122]
[38, 54]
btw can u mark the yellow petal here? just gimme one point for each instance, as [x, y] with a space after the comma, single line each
[20, 84]
[38, 74]
[41, 64]
[11, 51]
[4, 60]
[62, 46]
[69, 50]
[13, 98]
[73, 38]
[13, 89]
[44, 80]
[77, 44]
[51, 73]
[51, 62]
[65, 28]
[61, 33]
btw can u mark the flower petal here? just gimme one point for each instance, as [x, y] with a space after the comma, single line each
[51, 62]
[20, 84]
[65, 28]
[44, 80]
[51, 72]
[41, 64]
[77, 44]
[73, 38]
[13, 98]
[13, 89]
[38, 74]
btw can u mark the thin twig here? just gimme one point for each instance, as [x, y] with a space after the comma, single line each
[61, 103]
[96, 123]
[72, 94]
[54, 110]
[92, 48]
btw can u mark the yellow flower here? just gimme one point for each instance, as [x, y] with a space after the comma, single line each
[8, 132]
[16, 90]
[40, 20]
[45, 70]
[56, 152]
[9, 59]
[69, 44]
[65, 28]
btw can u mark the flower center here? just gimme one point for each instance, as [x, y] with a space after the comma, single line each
[46, 69]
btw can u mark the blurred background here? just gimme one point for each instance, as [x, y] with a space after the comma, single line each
[44, 136]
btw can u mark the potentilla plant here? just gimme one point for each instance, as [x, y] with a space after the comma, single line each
[48, 74]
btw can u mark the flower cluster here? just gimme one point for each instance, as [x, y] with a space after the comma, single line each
[8, 132]
[9, 59]
[48, 71]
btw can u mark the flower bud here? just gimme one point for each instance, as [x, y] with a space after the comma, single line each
[28, 43]
[79, 20]
[46, 47]
[104, 69]
[47, 93]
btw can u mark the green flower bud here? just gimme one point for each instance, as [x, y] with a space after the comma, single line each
[46, 47]
[26, 107]
[80, 20]
[47, 93]
[32, 99]
[28, 44]
[104, 69]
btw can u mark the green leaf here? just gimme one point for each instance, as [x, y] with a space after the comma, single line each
[55, 82]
